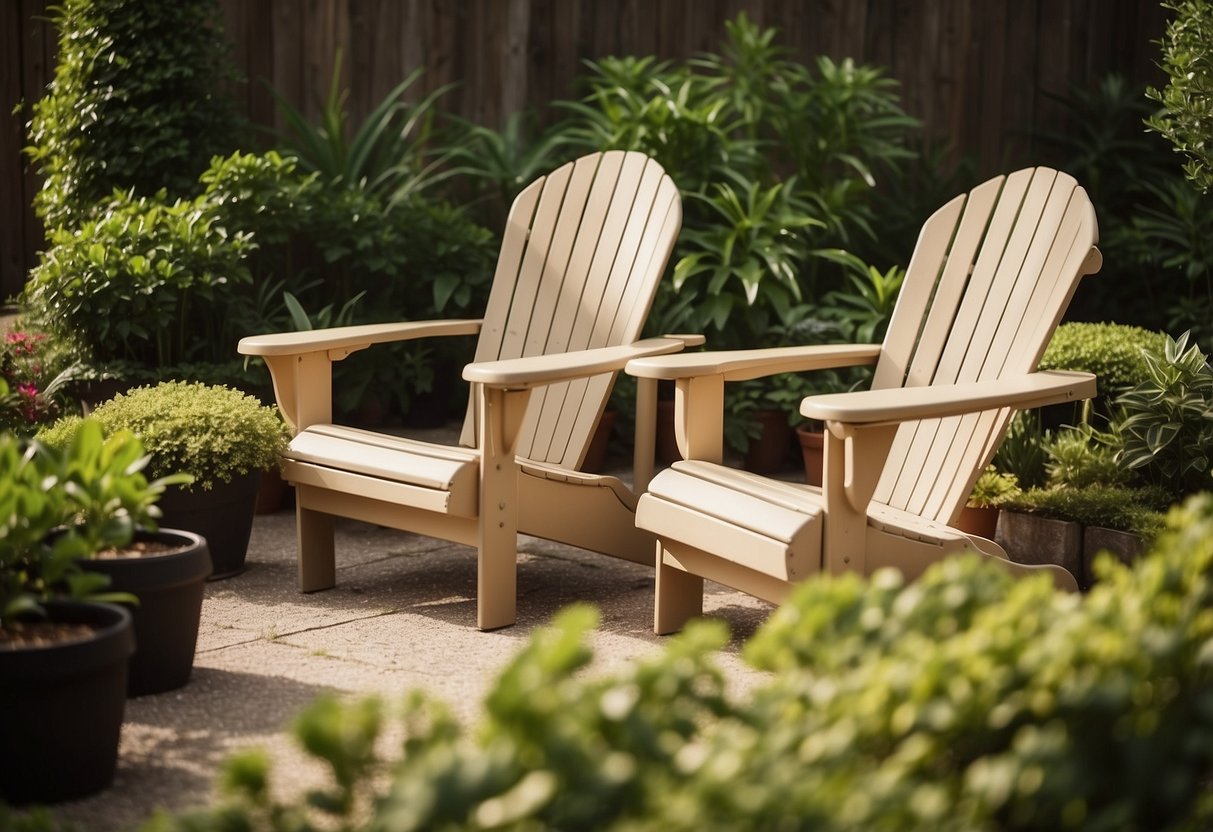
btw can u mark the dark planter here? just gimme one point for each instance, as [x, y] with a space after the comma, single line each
[1127, 547]
[812, 450]
[61, 708]
[169, 588]
[1027, 538]
[223, 516]
[767, 452]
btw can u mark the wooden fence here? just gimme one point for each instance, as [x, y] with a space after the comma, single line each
[979, 73]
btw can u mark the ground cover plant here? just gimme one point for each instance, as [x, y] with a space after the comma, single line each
[966, 700]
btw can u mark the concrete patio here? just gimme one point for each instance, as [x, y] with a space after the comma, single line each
[401, 617]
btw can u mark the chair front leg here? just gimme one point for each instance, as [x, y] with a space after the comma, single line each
[501, 414]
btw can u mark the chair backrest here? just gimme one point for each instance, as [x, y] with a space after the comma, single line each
[583, 251]
[990, 278]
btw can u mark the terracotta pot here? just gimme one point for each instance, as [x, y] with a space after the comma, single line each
[768, 451]
[979, 520]
[62, 707]
[812, 449]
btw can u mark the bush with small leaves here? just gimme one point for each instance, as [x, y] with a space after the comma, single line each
[1111, 351]
[211, 432]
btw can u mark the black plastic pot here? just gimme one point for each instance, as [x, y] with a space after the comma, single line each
[223, 515]
[61, 708]
[169, 589]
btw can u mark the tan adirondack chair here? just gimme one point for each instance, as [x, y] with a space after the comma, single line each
[582, 253]
[991, 275]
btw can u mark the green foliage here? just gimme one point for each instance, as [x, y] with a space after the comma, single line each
[145, 281]
[385, 156]
[60, 505]
[36, 370]
[1186, 119]
[1167, 422]
[212, 433]
[776, 162]
[864, 308]
[993, 489]
[1081, 457]
[1022, 451]
[1113, 352]
[966, 700]
[746, 261]
[132, 105]
[1138, 510]
[1154, 228]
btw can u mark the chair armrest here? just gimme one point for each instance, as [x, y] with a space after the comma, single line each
[348, 339]
[903, 404]
[538, 370]
[740, 365]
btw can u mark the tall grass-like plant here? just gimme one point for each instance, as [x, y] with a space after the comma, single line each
[385, 155]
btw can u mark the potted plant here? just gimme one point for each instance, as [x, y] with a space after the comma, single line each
[221, 437]
[992, 490]
[63, 661]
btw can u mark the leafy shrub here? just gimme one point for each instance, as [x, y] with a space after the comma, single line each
[145, 281]
[993, 489]
[1080, 457]
[1022, 451]
[777, 163]
[1186, 119]
[212, 433]
[1167, 422]
[36, 370]
[132, 105]
[1126, 509]
[59, 505]
[1113, 352]
[966, 700]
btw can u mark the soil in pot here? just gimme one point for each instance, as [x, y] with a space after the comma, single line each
[223, 516]
[61, 707]
[166, 571]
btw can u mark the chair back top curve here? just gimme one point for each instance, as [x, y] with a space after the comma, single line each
[583, 250]
[990, 278]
